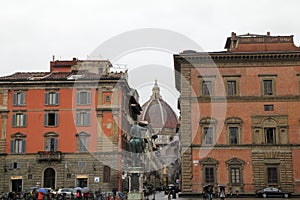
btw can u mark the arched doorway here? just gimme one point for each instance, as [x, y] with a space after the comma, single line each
[49, 178]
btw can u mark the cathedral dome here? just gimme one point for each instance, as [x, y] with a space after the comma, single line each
[158, 112]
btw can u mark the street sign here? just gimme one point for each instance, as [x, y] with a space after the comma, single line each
[97, 179]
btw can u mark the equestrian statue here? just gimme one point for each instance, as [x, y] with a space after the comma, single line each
[136, 144]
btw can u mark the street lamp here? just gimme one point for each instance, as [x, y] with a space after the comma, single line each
[154, 173]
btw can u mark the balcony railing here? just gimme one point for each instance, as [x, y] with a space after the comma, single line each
[49, 156]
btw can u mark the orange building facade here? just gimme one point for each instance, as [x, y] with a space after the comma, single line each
[239, 115]
[67, 127]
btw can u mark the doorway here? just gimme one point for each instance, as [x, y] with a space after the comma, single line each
[16, 185]
[49, 178]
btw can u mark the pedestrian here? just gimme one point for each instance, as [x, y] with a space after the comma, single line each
[86, 195]
[78, 195]
[40, 196]
[210, 192]
[222, 195]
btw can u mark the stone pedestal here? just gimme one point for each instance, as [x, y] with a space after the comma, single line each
[135, 183]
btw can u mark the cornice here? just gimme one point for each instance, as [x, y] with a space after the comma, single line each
[252, 147]
[240, 58]
[234, 99]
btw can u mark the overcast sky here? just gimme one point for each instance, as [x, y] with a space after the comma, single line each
[34, 30]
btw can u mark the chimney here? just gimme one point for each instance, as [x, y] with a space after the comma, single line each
[268, 33]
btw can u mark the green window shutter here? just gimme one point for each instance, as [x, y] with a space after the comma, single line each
[46, 119]
[14, 120]
[88, 97]
[15, 98]
[88, 118]
[24, 119]
[78, 98]
[56, 119]
[12, 144]
[56, 144]
[78, 119]
[23, 146]
[22, 100]
[48, 143]
[46, 98]
[57, 98]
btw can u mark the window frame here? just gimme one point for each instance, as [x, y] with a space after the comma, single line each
[18, 143]
[208, 134]
[82, 100]
[19, 119]
[230, 139]
[232, 78]
[210, 179]
[202, 90]
[212, 164]
[106, 174]
[52, 98]
[47, 119]
[19, 98]
[81, 119]
[208, 123]
[234, 122]
[51, 141]
[273, 137]
[264, 78]
[82, 142]
[235, 164]
[277, 174]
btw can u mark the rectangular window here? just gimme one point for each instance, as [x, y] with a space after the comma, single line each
[231, 88]
[233, 135]
[51, 144]
[83, 118]
[81, 164]
[208, 135]
[52, 98]
[83, 144]
[206, 88]
[107, 98]
[209, 175]
[270, 135]
[19, 120]
[272, 175]
[51, 119]
[235, 175]
[17, 146]
[19, 99]
[269, 107]
[83, 98]
[106, 174]
[268, 87]
[29, 177]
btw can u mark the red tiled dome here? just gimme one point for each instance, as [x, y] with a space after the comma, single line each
[158, 112]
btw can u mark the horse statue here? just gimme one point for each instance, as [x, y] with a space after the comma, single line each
[136, 144]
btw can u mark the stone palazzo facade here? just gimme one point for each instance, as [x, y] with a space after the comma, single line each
[240, 119]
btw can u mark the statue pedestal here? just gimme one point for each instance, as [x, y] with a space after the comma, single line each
[135, 183]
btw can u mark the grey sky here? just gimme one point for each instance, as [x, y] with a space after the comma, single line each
[34, 30]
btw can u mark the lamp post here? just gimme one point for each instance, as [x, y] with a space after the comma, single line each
[154, 185]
